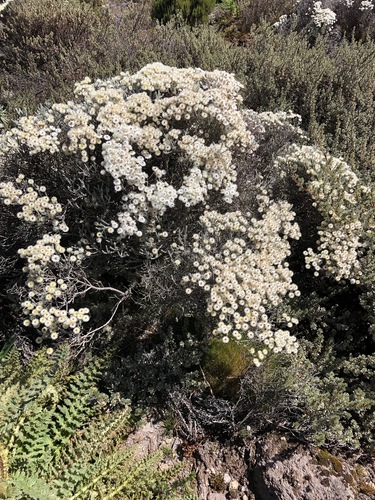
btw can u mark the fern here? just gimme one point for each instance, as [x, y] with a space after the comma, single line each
[31, 487]
[10, 364]
[58, 439]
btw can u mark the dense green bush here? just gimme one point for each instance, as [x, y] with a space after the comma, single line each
[193, 11]
[202, 46]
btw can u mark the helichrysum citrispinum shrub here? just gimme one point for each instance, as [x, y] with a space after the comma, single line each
[157, 196]
[160, 171]
[158, 148]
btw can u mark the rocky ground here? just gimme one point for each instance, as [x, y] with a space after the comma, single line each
[268, 468]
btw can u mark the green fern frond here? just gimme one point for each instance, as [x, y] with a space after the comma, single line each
[10, 364]
[22, 487]
[58, 438]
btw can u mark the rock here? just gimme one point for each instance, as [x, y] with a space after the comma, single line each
[233, 489]
[234, 494]
[227, 478]
[286, 471]
[233, 485]
[216, 496]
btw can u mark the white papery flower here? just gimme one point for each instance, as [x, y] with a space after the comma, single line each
[323, 17]
[366, 5]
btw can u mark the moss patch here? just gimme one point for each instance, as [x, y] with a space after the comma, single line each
[223, 366]
[326, 459]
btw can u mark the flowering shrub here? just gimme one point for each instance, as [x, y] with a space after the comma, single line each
[345, 204]
[153, 211]
[347, 16]
[164, 141]
[159, 170]
[322, 17]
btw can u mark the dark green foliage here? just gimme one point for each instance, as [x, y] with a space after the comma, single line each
[334, 379]
[193, 11]
[338, 408]
[155, 367]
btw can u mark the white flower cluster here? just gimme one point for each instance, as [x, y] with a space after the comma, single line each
[337, 193]
[282, 120]
[337, 251]
[36, 205]
[37, 133]
[366, 5]
[137, 123]
[240, 261]
[4, 5]
[282, 22]
[322, 17]
[51, 319]
[45, 250]
[45, 290]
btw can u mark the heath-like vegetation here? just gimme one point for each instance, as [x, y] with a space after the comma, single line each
[187, 219]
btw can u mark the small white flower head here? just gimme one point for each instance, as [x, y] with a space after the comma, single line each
[323, 17]
[366, 5]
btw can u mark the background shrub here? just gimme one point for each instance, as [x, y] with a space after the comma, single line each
[63, 42]
[352, 19]
[47, 46]
[193, 11]
[251, 12]
[203, 46]
[332, 89]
